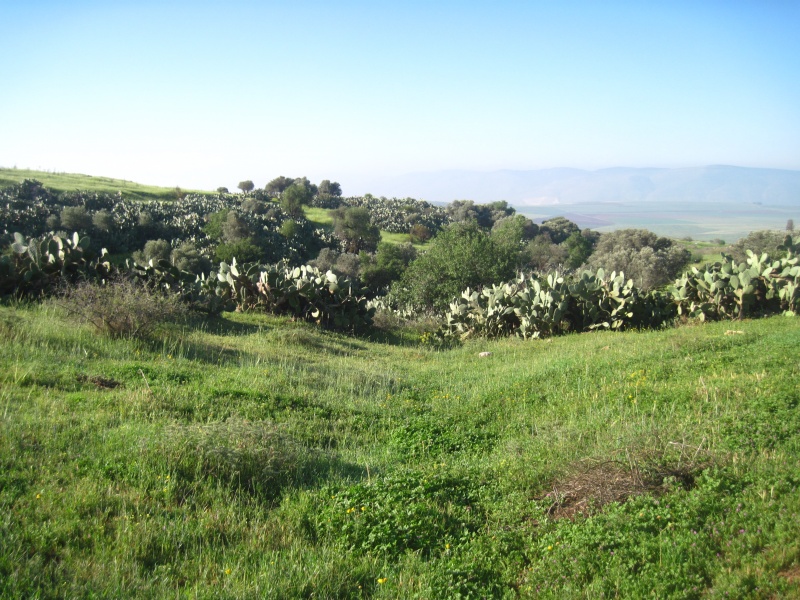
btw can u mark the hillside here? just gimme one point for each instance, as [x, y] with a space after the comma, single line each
[67, 182]
[251, 456]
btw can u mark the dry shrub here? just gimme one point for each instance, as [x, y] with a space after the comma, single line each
[122, 307]
[592, 483]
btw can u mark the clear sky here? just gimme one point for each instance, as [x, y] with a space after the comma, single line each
[203, 94]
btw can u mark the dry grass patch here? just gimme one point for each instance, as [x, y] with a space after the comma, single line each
[592, 483]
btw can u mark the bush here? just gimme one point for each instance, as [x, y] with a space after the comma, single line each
[388, 264]
[649, 260]
[122, 307]
[461, 256]
[187, 257]
[244, 251]
[154, 250]
[759, 242]
[419, 234]
[75, 218]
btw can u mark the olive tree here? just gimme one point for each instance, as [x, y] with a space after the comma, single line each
[246, 186]
[354, 227]
[294, 197]
[651, 261]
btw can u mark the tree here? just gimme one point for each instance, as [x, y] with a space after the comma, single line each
[790, 225]
[461, 256]
[325, 259]
[579, 248]
[559, 229]
[484, 214]
[353, 226]
[419, 234]
[53, 222]
[542, 254]
[276, 187]
[103, 220]
[289, 228]
[255, 206]
[388, 264]
[222, 190]
[651, 261]
[214, 223]
[348, 264]
[235, 229]
[243, 251]
[328, 195]
[329, 188]
[246, 186]
[512, 233]
[294, 197]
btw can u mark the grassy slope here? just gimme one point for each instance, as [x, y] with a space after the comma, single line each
[394, 469]
[70, 182]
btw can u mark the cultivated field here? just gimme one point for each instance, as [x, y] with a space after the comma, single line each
[699, 220]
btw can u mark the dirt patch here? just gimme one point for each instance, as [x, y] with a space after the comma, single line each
[792, 574]
[102, 383]
[593, 483]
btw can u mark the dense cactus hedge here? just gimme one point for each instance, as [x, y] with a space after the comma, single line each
[535, 306]
[36, 268]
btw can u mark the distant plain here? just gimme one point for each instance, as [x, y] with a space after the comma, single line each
[698, 220]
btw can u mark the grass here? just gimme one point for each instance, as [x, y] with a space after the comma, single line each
[67, 182]
[704, 252]
[256, 457]
[323, 217]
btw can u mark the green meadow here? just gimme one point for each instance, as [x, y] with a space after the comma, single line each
[252, 456]
[67, 182]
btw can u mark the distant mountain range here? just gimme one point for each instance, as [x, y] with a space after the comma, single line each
[553, 187]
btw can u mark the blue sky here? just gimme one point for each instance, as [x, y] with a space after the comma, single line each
[203, 94]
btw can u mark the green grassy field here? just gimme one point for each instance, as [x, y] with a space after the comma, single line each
[257, 457]
[67, 182]
[322, 217]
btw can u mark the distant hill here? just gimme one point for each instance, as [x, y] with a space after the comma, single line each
[550, 187]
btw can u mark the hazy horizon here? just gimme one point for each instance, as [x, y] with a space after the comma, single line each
[204, 95]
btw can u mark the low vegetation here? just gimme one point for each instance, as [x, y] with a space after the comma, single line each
[254, 456]
[172, 428]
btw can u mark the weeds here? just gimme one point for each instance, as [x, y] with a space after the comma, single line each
[122, 307]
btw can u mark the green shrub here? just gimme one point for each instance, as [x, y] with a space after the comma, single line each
[461, 256]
